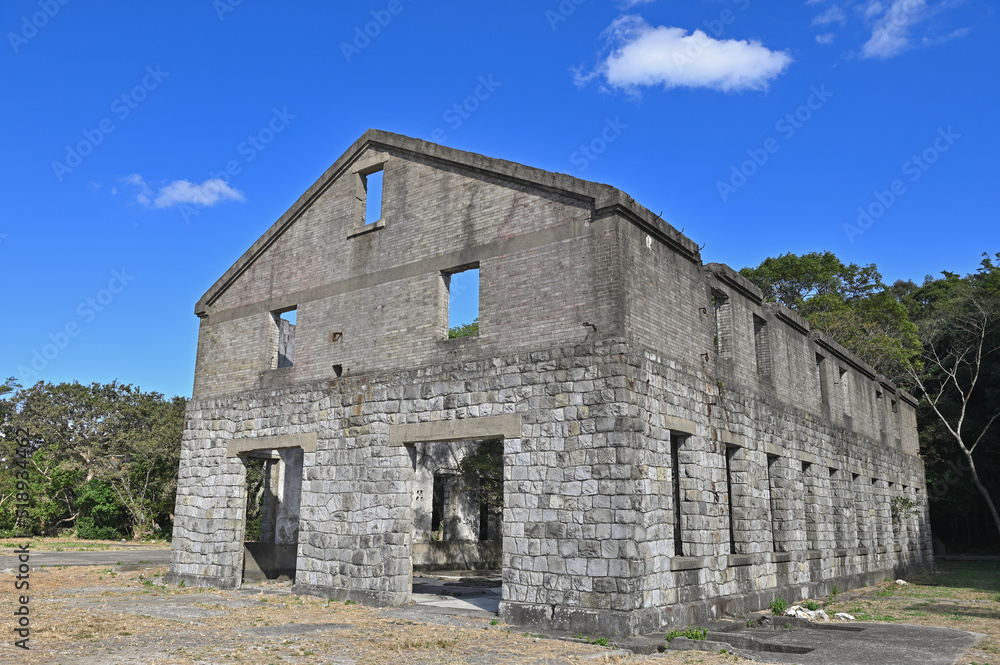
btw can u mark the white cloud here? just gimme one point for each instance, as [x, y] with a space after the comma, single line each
[954, 34]
[207, 194]
[641, 55]
[872, 9]
[891, 32]
[832, 15]
[144, 191]
[826, 38]
[184, 192]
[893, 26]
[629, 4]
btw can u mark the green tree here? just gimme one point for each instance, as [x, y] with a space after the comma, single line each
[483, 468]
[846, 301]
[109, 437]
[959, 376]
[464, 330]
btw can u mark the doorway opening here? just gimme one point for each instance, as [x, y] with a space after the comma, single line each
[271, 516]
[456, 539]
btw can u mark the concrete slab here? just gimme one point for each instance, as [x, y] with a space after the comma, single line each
[462, 594]
[849, 644]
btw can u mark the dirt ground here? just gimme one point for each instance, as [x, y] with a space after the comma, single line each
[74, 544]
[95, 616]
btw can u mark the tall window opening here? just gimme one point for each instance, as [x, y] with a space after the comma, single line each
[845, 389]
[723, 323]
[285, 322]
[762, 346]
[462, 292]
[372, 183]
[811, 506]
[439, 490]
[676, 441]
[857, 499]
[730, 453]
[824, 390]
[772, 505]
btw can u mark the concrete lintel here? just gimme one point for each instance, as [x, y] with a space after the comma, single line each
[725, 436]
[507, 426]
[679, 425]
[678, 563]
[772, 449]
[809, 458]
[307, 442]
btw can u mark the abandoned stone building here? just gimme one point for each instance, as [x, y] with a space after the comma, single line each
[672, 447]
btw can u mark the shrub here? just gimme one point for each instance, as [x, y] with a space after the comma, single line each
[102, 515]
[695, 633]
[778, 606]
[811, 605]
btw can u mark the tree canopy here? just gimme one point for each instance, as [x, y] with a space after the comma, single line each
[940, 339]
[104, 458]
[846, 301]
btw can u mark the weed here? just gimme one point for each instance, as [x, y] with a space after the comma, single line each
[778, 606]
[494, 622]
[810, 605]
[695, 633]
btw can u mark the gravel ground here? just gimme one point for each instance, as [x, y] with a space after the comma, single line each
[96, 616]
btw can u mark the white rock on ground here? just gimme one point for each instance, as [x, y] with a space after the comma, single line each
[800, 612]
[902, 583]
[844, 616]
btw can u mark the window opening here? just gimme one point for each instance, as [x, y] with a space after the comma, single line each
[762, 346]
[285, 322]
[373, 184]
[675, 446]
[462, 289]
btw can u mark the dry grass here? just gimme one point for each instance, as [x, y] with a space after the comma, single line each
[963, 596]
[94, 616]
[74, 544]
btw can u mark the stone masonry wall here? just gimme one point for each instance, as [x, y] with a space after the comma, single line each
[610, 347]
[588, 513]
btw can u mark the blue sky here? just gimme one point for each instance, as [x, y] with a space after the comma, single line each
[149, 144]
